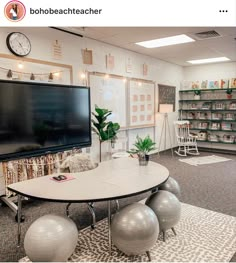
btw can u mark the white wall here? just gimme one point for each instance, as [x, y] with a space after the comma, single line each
[210, 72]
[41, 41]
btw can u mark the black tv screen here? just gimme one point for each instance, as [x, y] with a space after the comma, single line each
[37, 118]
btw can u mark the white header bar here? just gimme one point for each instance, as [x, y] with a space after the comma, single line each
[118, 13]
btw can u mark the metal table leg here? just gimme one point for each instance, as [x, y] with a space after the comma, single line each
[67, 210]
[19, 219]
[109, 224]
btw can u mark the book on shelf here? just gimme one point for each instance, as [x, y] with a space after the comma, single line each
[206, 106]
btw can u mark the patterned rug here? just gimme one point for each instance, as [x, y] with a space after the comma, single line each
[202, 236]
[204, 160]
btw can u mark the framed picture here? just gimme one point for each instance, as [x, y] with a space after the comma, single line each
[224, 83]
[87, 56]
[204, 84]
[195, 85]
[213, 84]
[233, 83]
[110, 61]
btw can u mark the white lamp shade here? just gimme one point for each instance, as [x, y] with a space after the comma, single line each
[165, 108]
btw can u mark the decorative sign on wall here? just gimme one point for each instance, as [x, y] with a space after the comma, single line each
[87, 56]
[166, 95]
[129, 65]
[56, 50]
[110, 61]
[145, 69]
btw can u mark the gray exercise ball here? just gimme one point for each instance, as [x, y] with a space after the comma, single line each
[134, 229]
[167, 208]
[51, 238]
[172, 186]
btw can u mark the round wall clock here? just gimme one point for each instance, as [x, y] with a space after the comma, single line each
[18, 44]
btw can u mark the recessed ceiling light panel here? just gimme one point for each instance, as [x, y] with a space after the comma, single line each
[166, 41]
[208, 60]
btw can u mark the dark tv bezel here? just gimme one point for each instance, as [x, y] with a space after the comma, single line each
[51, 149]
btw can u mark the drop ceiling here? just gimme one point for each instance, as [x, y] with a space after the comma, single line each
[126, 37]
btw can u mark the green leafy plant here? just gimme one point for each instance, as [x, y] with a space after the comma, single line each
[197, 92]
[229, 91]
[143, 146]
[106, 130]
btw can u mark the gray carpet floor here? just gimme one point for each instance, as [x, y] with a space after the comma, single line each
[211, 186]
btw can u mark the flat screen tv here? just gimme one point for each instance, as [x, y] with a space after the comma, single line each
[40, 118]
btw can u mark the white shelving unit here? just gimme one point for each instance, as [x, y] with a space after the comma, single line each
[212, 117]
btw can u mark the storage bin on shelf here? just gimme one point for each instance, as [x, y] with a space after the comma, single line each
[202, 115]
[229, 116]
[206, 106]
[192, 106]
[214, 126]
[202, 125]
[232, 106]
[202, 136]
[216, 116]
[213, 138]
[227, 138]
[226, 126]
[218, 106]
[191, 115]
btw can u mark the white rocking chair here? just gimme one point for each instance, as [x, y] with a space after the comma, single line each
[187, 142]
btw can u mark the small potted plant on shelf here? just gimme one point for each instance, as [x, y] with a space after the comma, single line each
[229, 93]
[197, 94]
[142, 148]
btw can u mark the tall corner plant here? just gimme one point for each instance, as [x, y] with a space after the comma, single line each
[106, 130]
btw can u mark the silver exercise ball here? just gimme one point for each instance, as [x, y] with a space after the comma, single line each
[51, 238]
[134, 229]
[172, 186]
[167, 208]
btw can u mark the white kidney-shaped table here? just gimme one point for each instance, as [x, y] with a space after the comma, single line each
[111, 180]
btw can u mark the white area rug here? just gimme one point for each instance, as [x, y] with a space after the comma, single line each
[204, 160]
[202, 236]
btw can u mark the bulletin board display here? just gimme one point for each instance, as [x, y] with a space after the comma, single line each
[141, 104]
[166, 95]
[109, 93]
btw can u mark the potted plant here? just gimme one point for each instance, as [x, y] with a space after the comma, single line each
[106, 130]
[142, 148]
[229, 93]
[197, 94]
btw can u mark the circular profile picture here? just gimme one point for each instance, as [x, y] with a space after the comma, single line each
[15, 11]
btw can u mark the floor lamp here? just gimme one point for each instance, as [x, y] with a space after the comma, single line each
[165, 109]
